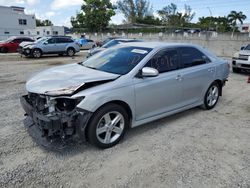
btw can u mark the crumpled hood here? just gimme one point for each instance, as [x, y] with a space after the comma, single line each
[23, 44]
[64, 77]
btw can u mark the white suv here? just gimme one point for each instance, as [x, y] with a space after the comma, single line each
[241, 59]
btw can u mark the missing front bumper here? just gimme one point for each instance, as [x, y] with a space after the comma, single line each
[54, 131]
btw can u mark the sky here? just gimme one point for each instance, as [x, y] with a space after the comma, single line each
[60, 11]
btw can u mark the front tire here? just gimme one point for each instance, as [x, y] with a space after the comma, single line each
[36, 53]
[212, 96]
[107, 126]
[4, 50]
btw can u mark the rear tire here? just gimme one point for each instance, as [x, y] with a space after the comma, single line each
[70, 52]
[36, 53]
[107, 126]
[236, 70]
[4, 50]
[212, 96]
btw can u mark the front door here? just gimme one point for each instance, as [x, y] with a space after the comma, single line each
[50, 45]
[160, 94]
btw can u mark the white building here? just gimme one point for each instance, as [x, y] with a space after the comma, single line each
[13, 21]
[244, 28]
[45, 31]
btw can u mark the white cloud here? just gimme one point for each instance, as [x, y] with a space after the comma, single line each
[117, 19]
[50, 14]
[32, 2]
[59, 4]
[65, 22]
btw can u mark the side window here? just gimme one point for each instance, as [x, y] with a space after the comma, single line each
[16, 41]
[64, 40]
[51, 41]
[192, 57]
[164, 61]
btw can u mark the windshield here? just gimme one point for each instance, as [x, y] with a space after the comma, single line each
[247, 47]
[118, 61]
[41, 40]
[10, 39]
[111, 43]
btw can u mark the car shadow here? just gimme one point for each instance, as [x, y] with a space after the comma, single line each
[83, 146]
[47, 56]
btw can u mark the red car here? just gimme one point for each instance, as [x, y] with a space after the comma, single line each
[12, 44]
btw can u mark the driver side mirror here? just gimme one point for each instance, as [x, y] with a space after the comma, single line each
[46, 42]
[149, 72]
[242, 48]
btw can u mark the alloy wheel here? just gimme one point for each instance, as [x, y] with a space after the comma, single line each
[213, 95]
[110, 127]
[37, 53]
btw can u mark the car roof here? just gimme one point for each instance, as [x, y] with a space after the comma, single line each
[157, 44]
[124, 39]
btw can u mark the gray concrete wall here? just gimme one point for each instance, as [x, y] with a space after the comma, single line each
[221, 44]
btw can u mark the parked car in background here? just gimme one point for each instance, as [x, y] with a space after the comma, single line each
[50, 45]
[86, 44]
[122, 87]
[101, 43]
[109, 44]
[12, 43]
[241, 59]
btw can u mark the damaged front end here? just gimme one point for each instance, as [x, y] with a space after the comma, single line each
[54, 121]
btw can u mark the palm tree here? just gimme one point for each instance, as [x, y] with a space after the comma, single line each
[234, 17]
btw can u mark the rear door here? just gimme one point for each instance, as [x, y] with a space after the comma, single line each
[160, 94]
[197, 73]
[61, 44]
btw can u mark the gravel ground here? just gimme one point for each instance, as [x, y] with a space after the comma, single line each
[195, 148]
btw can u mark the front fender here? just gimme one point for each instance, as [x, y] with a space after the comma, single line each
[94, 101]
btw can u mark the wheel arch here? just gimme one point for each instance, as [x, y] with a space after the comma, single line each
[220, 82]
[123, 104]
[37, 48]
[70, 47]
[117, 102]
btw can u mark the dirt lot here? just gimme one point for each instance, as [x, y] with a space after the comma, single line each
[195, 148]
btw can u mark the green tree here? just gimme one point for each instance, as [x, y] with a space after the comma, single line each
[43, 22]
[220, 24]
[94, 16]
[172, 17]
[134, 10]
[150, 20]
[235, 17]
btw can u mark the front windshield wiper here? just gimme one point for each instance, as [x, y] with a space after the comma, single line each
[81, 63]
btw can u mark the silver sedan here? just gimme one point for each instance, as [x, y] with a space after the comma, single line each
[119, 88]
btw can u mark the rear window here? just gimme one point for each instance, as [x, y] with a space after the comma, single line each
[64, 40]
[192, 57]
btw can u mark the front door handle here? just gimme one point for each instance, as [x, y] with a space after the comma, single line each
[211, 70]
[179, 78]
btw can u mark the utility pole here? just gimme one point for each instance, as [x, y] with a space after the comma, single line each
[210, 17]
